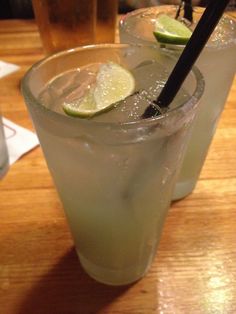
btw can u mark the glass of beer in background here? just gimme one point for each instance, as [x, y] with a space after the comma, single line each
[65, 23]
[106, 21]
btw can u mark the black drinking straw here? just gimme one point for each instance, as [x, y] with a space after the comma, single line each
[188, 10]
[196, 43]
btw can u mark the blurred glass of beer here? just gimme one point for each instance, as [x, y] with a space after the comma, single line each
[106, 20]
[65, 24]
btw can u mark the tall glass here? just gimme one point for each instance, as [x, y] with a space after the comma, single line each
[107, 11]
[114, 178]
[65, 23]
[3, 151]
[217, 63]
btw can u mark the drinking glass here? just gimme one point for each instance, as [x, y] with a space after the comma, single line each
[216, 63]
[65, 23]
[4, 163]
[107, 11]
[114, 177]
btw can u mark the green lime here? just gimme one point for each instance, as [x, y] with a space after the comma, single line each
[171, 31]
[113, 83]
[82, 107]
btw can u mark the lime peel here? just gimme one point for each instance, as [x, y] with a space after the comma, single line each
[171, 31]
[113, 83]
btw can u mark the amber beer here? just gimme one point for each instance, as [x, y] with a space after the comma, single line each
[106, 21]
[65, 23]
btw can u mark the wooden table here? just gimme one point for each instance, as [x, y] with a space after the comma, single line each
[195, 269]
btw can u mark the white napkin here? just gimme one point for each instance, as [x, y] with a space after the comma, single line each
[19, 140]
[7, 68]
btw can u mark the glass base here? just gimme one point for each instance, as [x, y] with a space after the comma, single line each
[183, 189]
[110, 276]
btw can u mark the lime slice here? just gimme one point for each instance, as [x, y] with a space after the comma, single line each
[82, 107]
[113, 83]
[171, 31]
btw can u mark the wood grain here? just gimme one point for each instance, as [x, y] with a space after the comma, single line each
[195, 268]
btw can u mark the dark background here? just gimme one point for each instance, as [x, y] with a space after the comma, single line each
[13, 9]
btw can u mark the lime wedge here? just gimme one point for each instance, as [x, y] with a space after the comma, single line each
[82, 107]
[113, 83]
[171, 31]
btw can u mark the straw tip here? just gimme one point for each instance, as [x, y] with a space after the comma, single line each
[151, 111]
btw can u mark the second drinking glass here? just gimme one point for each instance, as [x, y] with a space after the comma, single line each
[217, 63]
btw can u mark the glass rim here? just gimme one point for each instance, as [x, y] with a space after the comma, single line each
[192, 100]
[174, 7]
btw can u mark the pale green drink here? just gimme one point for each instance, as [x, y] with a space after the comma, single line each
[216, 63]
[114, 172]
